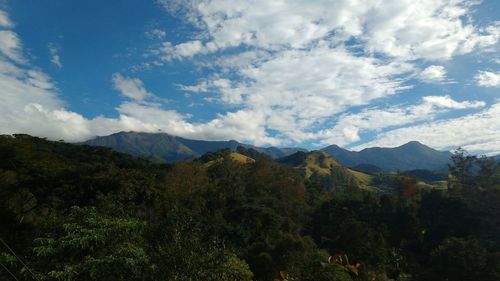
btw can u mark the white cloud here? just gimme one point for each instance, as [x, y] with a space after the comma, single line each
[5, 20]
[241, 125]
[478, 132]
[188, 49]
[185, 50]
[29, 103]
[349, 126]
[10, 46]
[302, 63]
[303, 87]
[156, 34]
[448, 102]
[428, 29]
[55, 58]
[130, 87]
[433, 74]
[488, 79]
[288, 67]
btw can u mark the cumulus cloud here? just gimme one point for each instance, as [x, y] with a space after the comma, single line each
[478, 133]
[302, 87]
[488, 79]
[433, 74]
[428, 29]
[349, 126]
[302, 63]
[185, 50]
[30, 104]
[130, 87]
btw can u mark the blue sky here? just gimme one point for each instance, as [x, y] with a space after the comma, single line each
[283, 73]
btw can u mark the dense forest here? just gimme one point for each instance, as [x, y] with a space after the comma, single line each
[77, 212]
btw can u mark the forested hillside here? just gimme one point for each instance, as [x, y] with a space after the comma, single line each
[78, 212]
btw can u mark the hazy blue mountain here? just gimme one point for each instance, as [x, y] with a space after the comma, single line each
[410, 156]
[201, 147]
[346, 157]
[153, 146]
[165, 147]
[367, 168]
[278, 152]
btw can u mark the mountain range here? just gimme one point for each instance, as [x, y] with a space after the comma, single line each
[167, 148]
[410, 156]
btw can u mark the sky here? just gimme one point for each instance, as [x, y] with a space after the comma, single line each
[307, 73]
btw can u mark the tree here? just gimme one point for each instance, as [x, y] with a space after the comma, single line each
[489, 173]
[88, 245]
[460, 169]
[462, 259]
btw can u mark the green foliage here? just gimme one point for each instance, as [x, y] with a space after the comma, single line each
[469, 172]
[88, 245]
[462, 259]
[87, 213]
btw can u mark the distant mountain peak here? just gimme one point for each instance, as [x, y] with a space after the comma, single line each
[409, 156]
[412, 143]
[415, 144]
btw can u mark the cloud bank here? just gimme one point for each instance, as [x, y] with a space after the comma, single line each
[286, 73]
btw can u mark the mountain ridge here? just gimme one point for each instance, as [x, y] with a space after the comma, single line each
[168, 148]
[409, 156]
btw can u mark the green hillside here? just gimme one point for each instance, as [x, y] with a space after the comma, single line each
[78, 212]
[232, 156]
[320, 166]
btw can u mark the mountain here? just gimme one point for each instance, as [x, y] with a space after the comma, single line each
[165, 147]
[410, 156]
[152, 146]
[367, 168]
[318, 165]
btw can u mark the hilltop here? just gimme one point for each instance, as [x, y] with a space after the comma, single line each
[318, 165]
